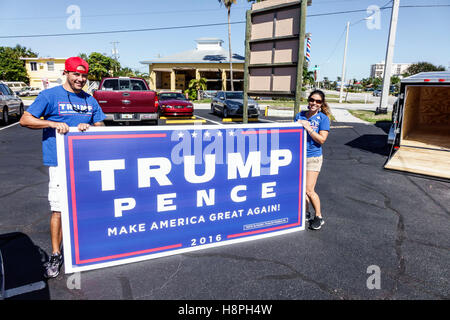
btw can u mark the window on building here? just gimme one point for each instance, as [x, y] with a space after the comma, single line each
[33, 66]
[50, 66]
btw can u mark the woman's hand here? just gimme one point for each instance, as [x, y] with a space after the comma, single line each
[306, 125]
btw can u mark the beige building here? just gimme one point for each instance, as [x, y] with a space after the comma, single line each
[208, 60]
[377, 70]
[45, 72]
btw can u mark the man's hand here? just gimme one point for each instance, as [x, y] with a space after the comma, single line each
[60, 127]
[83, 127]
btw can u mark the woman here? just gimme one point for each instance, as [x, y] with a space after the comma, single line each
[316, 122]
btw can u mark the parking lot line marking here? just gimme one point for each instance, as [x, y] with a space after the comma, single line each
[9, 126]
[220, 124]
[239, 119]
[173, 118]
[185, 121]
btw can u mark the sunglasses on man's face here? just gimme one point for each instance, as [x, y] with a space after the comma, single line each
[314, 100]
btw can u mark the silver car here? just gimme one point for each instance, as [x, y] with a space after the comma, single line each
[230, 103]
[10, 104]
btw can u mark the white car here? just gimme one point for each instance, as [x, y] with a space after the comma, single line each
[34, 91]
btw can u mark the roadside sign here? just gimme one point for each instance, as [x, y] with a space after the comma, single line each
[274, 50]
[137, 193]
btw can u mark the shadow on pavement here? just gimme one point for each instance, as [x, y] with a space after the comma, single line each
[384, 125]
[375, 143]
[21, 268]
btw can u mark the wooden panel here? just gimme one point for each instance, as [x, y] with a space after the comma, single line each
[287, 23]
[434, 107]
[271, 3]
[286, 51]
[421, 161]
[262, 26]
[261, 53]
[259, 79]
[426, 118]
[284, 79]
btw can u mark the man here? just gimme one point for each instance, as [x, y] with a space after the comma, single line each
[55, 110]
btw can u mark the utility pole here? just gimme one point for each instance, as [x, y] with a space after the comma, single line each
[115, 53]
[382, 108]
[301, 54]
[343, 64]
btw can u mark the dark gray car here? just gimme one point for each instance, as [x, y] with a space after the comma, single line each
[9, 103]
[230, 103]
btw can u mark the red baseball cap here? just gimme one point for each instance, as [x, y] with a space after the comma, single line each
[73, 63]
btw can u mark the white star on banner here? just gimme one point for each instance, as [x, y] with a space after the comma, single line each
[207, 134]
[194, 134]
[219, 133]
[180, 134]
[231, 133]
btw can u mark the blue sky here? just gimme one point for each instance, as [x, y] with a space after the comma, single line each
[422, 33]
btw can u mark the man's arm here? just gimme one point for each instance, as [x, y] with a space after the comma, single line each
[29, 121]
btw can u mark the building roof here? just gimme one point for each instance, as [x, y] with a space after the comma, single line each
[42, 58]
[209, 50]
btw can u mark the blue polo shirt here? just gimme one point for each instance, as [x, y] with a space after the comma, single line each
[59, 105]
[318, 122]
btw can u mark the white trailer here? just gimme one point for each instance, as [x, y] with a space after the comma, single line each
[420, 132]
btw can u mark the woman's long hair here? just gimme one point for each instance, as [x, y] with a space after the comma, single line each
[325, 108]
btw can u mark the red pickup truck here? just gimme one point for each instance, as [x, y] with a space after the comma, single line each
[126, 99]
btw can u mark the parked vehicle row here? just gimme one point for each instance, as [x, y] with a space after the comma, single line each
[29, 91]
[10, 103]
[129, 99]
[15, 86]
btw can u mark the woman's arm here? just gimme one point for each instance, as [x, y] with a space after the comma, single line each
[320, 137]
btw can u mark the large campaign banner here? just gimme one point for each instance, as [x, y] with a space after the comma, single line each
[136, 193]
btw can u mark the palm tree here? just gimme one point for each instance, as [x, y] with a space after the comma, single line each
[228, 4]
[194, 86]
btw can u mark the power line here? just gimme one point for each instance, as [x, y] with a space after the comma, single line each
[119, 31]
[336, 46]
[119, 14]
[196, 26]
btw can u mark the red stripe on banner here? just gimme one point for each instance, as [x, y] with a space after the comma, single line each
[121, 136]
[122, 255]
[74, 203]
[271, 131]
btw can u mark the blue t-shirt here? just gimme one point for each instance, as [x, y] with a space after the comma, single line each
[318, 122]
[59, 105]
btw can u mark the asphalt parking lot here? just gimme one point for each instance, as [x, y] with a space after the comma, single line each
[394, 221]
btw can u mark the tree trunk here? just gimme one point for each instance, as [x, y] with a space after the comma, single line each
[229, 51]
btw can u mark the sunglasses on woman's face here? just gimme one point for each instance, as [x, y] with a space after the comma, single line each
[314, 100]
